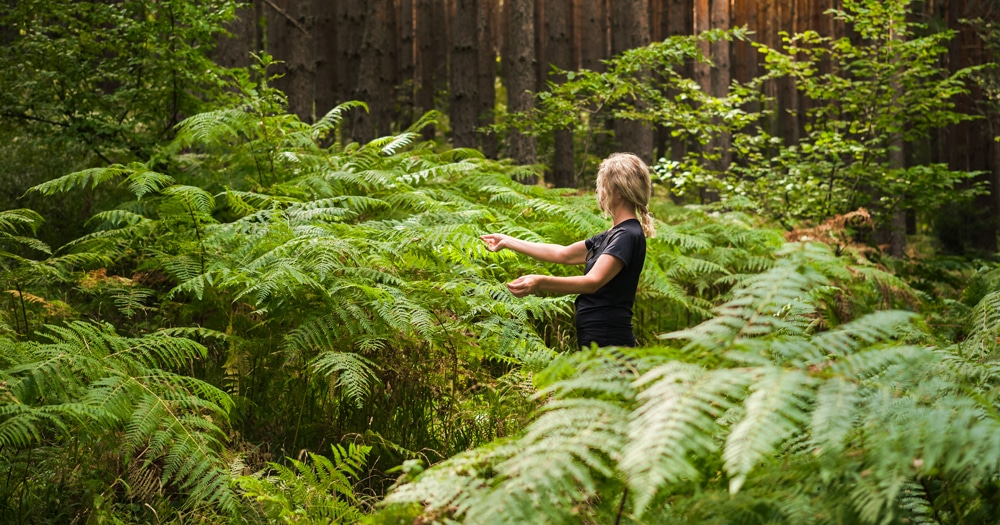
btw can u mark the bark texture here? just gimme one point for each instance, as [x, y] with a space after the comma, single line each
[630, 29]
[559, 32]
[464, 75]
[519, 72]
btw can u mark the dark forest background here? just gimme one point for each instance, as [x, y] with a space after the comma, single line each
[474, 60]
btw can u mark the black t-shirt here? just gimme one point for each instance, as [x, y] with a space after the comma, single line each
[610, 307]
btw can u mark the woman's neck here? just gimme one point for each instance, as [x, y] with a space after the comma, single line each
[622, 213]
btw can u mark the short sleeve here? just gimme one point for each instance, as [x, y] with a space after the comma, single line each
[621, 246]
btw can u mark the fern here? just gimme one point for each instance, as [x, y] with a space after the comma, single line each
[320, 492]
[783, 402]
[170, 423]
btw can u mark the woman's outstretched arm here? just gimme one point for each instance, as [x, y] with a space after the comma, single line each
[575, 253]
[606, 267]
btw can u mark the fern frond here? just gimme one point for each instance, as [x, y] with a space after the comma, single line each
[355, 373]
[776, 407]
[81, 179]
[331, 121]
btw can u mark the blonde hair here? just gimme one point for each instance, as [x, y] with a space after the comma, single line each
[625, 176]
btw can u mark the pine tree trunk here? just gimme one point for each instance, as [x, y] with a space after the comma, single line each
[407, 57]
[541, 60]
[486, 29]
[629, 30]
[325, 51]
[289, 39]
[373, 87]
[558, 29]
[244, 39]
[464, 75]
[591, 35]
[519, 72]
[787, 93]
[680, 21]
[721, 75]
[424, 70]
[350, 32]
[702, 22]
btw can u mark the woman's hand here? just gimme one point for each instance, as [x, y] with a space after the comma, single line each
[525, 285]
[496, 241]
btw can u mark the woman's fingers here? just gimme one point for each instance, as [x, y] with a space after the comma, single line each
[492, 241]
[523, 286]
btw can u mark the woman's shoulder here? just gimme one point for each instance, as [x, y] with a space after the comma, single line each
[629, 227]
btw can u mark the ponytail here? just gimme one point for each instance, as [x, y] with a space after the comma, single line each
[646, 218]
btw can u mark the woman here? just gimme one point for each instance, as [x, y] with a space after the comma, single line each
[613, 258]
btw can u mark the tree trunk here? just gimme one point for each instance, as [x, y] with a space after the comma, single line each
[325, 51]
[234, 50]
[464, 77]
[425, 46]
[787, 93]
[541, 58]
[721, 76]
[486, 72]
[767, 13]
[289, 39]
[519, 72]
[558, 29]
[680, 21]
[407, 57]
[373, 88]
[591, 33]
[702, 22]
[350, 32]
[629, 30]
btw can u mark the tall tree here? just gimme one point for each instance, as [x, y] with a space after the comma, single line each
[325, 51]
[788, 99]
[721, 74]
[519, 72]
[486, 70]
[427, 32]
[464, 75]
[679, 20]
[374, 84]
[630, 29]
[559, 39]
[590, 36]
[350, 31]
[407, 57]
[289, 39]
[234, 49]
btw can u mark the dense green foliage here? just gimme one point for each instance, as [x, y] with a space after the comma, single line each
[265, 323]
[870, 96]
[95, 83]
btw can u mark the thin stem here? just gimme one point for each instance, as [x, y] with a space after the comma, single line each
[621, 507]
[24, 312]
